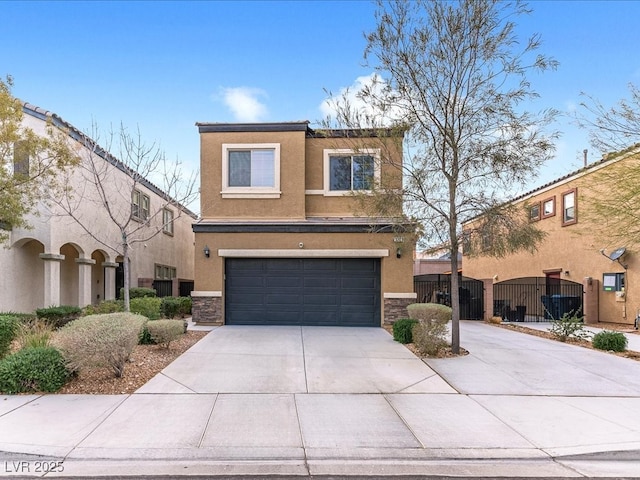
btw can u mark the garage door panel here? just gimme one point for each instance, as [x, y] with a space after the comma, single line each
[360, 266]
[320, 282]
[303, 292]
[355, 283]
[358, 300]
[282, 264]
[321, 265]
[280, 299]
[281, 282]
[320, 300]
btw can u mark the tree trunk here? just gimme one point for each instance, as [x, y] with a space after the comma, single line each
[125, 259]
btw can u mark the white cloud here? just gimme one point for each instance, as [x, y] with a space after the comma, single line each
[244, 103]
[351, 95]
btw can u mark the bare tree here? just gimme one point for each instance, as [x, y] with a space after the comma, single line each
[614, 192]
[118, 189]
[30, 164]
[611, 129]
[453, 75]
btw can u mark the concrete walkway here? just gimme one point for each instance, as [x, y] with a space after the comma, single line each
[346, 401]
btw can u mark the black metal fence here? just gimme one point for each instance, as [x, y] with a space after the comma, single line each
[535, 299]
[186, 287]
[436, 288]
[163, 288]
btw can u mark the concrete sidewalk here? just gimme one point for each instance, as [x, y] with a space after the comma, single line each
[332, 401]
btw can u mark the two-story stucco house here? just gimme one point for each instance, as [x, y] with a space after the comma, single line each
[279, 241]
[58, 263]
[580, 263]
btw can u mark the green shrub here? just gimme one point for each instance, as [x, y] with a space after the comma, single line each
[145, 337]
[569, 326]
[163, 332]
[429, 311]
[139, 292]
[35, 333]
[59, 316]
[23, 317]
[402, 330]
[170, 307]
[429, 337]
[108, 306]
[146, 306]
[186, 304]
[100, 341]
[8, 332]
[607, 340]
[39, 369]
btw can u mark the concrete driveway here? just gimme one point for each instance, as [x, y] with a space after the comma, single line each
[272, 359]
[311, 401]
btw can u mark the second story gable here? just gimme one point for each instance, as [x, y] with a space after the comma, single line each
[288, 171]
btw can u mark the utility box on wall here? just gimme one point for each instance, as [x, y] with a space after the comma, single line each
[613, 282]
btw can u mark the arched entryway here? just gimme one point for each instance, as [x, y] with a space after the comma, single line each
[69, 275]
[436, 288]
[26, 274]
[535, 299]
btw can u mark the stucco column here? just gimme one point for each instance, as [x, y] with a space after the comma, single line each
[487, 284]
[84, 280]
[109, 280]
[51, 278]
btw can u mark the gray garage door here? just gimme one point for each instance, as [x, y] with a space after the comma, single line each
[294, 291]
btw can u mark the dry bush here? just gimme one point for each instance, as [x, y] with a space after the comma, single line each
[430, 312]
[429, 337]
[100, 340]
[163, 332]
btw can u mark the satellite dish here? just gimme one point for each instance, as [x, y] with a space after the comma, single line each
[617, 253]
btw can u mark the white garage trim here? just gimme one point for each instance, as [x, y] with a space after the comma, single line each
[400, 295]
[303, 253]
[203, 293]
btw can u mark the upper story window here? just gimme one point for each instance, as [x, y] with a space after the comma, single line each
[569, 207]
[167, 221]
[251, 170]
[20, 160]
[140, 205]
[347, 171]
[534, 212]
[549, 207]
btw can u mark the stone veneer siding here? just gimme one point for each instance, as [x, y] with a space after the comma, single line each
[396, 308]
[207, 310]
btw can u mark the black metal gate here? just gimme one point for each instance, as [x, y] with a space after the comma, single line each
[534, 299]
[436, 288]
[163, 288]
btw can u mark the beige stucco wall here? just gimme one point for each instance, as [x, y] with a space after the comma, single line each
[292, 171]
[320, 205]
[57, 234]
[574, 250]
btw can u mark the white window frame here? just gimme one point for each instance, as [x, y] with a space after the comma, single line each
[140, 215]
[328, 153]
[167, 221]
[250, 192]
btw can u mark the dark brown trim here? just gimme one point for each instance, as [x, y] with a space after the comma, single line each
[535, 217]
[553, 212]
[575, 206]
[291, 228]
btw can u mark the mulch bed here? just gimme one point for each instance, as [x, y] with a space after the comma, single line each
[145, 362]
[575, 341]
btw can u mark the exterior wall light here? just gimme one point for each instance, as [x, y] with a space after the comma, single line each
[207, 252]
[398, 252]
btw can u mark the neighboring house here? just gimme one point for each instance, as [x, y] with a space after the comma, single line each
[279, 241]
[58, 263]
[572, 266]
[431, 262]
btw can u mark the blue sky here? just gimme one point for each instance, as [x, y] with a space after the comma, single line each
[162, 66]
